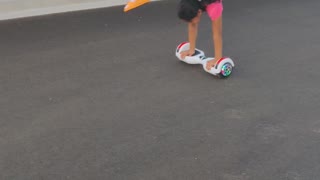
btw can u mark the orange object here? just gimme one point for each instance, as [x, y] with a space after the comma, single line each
[134, 4]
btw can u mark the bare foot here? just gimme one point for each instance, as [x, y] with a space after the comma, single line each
[187, 53]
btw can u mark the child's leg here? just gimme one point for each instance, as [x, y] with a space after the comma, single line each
[215, 13]
[217, 37]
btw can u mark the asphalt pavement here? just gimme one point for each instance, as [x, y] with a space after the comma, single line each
[99, 94]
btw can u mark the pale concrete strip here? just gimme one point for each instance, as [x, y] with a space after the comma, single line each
[11, 9]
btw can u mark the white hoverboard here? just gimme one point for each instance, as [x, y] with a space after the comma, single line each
[223, 67]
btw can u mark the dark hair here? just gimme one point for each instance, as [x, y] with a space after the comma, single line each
[188, 9]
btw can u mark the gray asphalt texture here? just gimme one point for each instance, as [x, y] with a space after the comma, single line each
[99, 94]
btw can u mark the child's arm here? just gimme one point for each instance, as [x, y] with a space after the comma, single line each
[192, 36]
[193, 32]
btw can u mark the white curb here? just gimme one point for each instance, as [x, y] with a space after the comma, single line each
[15, 10]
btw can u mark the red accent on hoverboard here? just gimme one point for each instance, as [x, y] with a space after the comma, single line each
[220, 60]
[182, 45]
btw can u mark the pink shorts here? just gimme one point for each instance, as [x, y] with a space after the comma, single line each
[214, 10]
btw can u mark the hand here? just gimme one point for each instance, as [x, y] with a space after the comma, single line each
[187, 53]
[211, 64]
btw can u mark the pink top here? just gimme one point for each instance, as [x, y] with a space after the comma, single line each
[214, 10]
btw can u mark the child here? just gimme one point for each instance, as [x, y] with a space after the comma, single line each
[191, 11]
